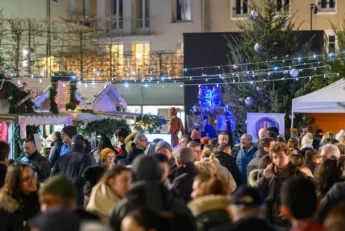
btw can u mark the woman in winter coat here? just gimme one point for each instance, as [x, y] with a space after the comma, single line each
[298, 161]
[210, 204]
[94, 173]
[109, 191]
[209, 165]
[18, 198]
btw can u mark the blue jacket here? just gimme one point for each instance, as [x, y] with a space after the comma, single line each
[242, 160]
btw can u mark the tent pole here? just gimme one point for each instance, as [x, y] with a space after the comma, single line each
[292, 118]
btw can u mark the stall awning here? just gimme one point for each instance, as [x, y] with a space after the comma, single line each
[330, 99]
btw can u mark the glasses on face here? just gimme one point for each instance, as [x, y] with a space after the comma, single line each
[110, 157]
[145, 140]
[28, 178]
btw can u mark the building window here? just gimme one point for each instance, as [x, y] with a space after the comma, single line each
[178, 47]
[143, 16]
[141, 53]
[327, 5]
[71, 8]
[331, 44]
[182, 10]
[239, 8]
[117, 58]
[118, 13]
[283, 5]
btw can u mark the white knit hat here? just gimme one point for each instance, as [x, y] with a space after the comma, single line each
[340, 134]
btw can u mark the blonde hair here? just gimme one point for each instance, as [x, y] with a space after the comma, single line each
[328, 135]
[206, 152]
[172, 112]
[342, 140]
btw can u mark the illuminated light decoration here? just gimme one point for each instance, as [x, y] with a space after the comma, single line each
[126, 85]
[275, 68]
[185, 69]
[314, 56]
[190, 78]
[299, 59]
[63, 95]
[181, 85]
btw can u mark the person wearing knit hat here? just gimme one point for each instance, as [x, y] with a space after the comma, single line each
[165, 148]
[107, 157]
[340, 134]
[307, 143]
[57, 191]
[67, 134]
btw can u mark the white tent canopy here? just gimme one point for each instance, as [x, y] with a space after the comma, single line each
[330, 99]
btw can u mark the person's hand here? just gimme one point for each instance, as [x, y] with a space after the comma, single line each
[268, 172]
[195, 134]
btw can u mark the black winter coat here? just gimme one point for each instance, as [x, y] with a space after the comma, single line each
[14, 215]
[183, 180]
[246, 224]
[156, 197]
[39, 164]
[335, 195]
[229, 162]
[55, 152]
[131, 156]
[3, 170]
[92, 175]
[73, 165]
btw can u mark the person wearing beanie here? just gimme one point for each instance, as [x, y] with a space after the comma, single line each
[59, 192]
[148, 191]
[165, 148]
[67, 134]
[73, 165]
[306, 143]
[339, 135]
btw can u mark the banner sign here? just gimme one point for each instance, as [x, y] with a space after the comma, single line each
[256, 121]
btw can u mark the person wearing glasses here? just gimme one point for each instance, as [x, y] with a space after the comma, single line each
[140, 142]
[18, 198]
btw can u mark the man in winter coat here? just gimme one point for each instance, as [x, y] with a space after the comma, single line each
[67, 134]
[264, 147]
[140, 143]
[37, 162]
[4, 152]
[73, 165]
[165, 148]
[223, 154]
[147, 191]
[243, 154]
[56, 148]
[183, 176]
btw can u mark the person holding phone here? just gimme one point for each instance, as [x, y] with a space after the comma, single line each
[274, 176]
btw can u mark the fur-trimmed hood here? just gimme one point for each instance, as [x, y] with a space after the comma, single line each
[254, 177]
[8, 203]
[208, 203]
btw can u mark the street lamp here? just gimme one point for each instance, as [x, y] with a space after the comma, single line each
[313, 9]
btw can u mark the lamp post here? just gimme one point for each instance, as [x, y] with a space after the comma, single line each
[313, 9]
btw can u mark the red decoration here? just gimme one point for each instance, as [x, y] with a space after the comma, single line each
[77, 102]
[25, 106]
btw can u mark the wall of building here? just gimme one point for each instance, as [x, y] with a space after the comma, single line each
[219, 16]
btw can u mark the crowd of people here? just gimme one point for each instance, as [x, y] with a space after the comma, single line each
[199, 184]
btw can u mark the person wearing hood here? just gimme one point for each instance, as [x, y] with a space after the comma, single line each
[67, 134]
[56, 148]
[165, 148]
[94, 173]
[306, 143]
[139, 145]
[109, 191]
[73, 165]
[147, 191]
[37, 162]
[18, 198]
[339, 135]
[183, 176]
[225, 158]
[243, 154]
[264, 147]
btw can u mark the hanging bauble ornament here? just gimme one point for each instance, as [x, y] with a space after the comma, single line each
[258, 88]
[294, 73]
[241, 99]
[254, 14]
[249, 101]
[10, 98]
[258, 47]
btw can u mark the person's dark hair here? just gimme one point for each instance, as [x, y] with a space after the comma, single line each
[87, 146]
[326, 175]
[57, 135]
[341, 163]
[265, 161]
[78, 139]
[214, 186]
[105, 142]
[281, 139]
[4, 150]
[30, 139]
[299, 196]
[294, 141]
[273, 129]
[265, 143]
[161, 158]
[297, 160]
[193, 144]
[222, 147]
[327, 141]
[114, 172]
[150, 220]
[311, 155]
[122, 132]
[273, 135]
[213, 141]
[156, 141]
[13, 180]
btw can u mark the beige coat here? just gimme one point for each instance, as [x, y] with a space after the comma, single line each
[102, 200]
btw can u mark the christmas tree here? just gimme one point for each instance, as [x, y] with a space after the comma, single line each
[264, 64]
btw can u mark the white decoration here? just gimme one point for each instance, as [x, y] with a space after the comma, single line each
[249, 101]
[258, 88]
[258, 47]
[294, 73]
[254, 14]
